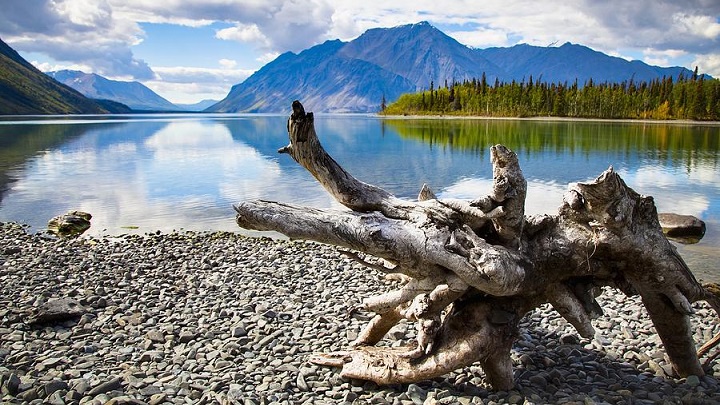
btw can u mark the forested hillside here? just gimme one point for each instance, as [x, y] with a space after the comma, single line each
[26, 90]
[696, 98]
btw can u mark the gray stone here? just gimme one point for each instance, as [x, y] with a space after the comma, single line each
[692, 380]
[186, 336]
[53, 386]
[11, 385]
[57, 310]
[56, 398]
[569, 339]
[106, 386]
[157, 399]
[238, 331]
[416, 394]
[155, 336]
[538, 380]
[682, 228]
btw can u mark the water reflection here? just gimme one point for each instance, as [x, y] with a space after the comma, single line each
[170, 172]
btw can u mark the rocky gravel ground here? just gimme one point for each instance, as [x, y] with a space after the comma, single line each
[193, 318]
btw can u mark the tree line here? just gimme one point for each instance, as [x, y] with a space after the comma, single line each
[696, 97]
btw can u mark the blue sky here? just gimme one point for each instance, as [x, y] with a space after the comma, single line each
[189, 50]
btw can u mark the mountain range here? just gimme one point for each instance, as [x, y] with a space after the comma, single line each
[135, 95]
[335, 76]
[383, 63]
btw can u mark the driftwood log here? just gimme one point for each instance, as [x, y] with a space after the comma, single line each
[476, 267]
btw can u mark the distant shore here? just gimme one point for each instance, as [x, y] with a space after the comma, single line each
[550, 118]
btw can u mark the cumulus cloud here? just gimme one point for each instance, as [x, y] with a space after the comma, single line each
[227, 63]
[75, 31]
[269, 25]
[182, 84]
[287, 25]
[244, 33]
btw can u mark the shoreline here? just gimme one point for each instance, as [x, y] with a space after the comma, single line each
[218, 317]
[549, 119]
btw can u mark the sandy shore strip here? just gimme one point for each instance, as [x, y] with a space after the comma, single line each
[220, 318]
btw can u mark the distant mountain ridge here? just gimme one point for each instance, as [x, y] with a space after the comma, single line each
[199, 106]
[133, 94]
[384, 63]
[26, 90]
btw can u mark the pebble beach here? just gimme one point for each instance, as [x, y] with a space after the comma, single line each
[221, 318]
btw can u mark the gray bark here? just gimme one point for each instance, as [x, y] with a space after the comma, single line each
[476, 267]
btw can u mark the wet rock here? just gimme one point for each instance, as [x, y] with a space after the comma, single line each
[682, 228]
[73, 223]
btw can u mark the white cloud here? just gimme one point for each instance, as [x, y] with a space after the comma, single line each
[268, 57]
[698, 25]
[86, 13]
[227, 63]
[184, 74]
[244, 33]
[79, 32]
[182, 84]
[50, 67]
[481, 38]
[662, 58]
[709, 64]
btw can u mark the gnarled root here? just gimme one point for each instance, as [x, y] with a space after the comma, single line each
[466, 336]
[713, 298]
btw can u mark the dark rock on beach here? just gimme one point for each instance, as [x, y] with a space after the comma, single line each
[682, 228]
[219, 318]
[72, 224]
[56, 310]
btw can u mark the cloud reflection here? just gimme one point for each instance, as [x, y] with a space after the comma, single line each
[673, 190]
[543, 197]
[186, 175]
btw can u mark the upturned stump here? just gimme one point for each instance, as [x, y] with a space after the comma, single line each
[475, 268]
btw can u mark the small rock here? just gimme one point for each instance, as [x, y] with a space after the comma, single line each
[53, 386]
[238, 331]
[157, 399]
[155, 336]
[186, 336]
[538, 380]
[416, 394]
[569, 339]
[692, 380]
[301, 384]
[107, 386]
[11, 385]
[72, 224]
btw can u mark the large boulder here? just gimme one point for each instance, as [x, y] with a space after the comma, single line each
[682, 228]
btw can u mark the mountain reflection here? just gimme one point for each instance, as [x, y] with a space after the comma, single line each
[186, 171]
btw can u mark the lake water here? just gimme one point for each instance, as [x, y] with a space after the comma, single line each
[142, 173]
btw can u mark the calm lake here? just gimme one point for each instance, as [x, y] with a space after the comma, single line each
[141, 173]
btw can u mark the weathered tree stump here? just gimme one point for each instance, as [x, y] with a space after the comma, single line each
[476, 267]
